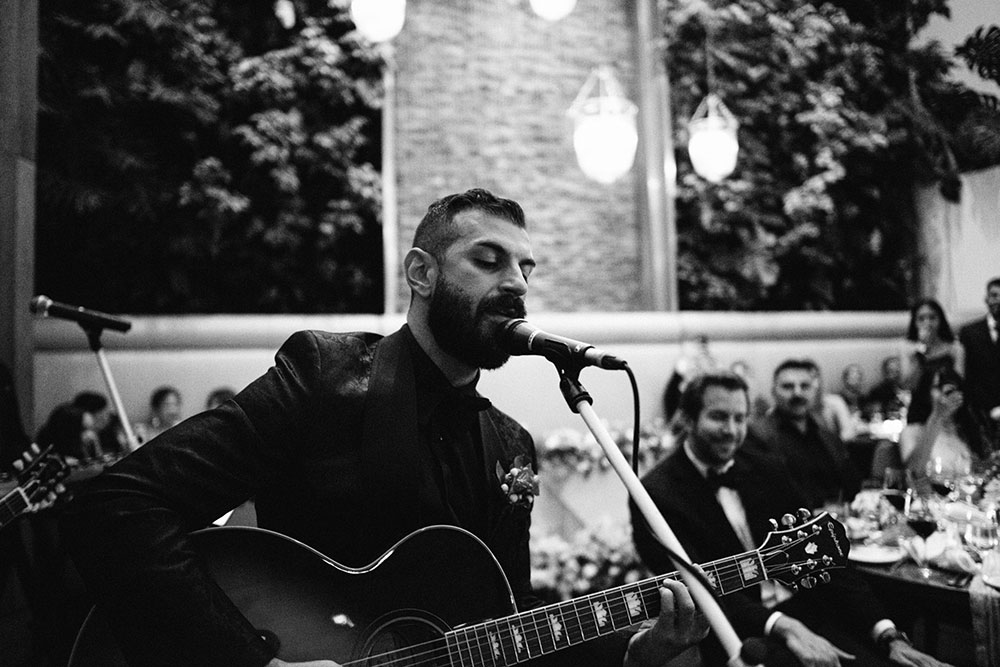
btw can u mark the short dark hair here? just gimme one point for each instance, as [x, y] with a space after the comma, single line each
[993, 282]
[436, 232]
[90, 401]
[160, 395]
[944, 331]
[693, 398]
[796, 364]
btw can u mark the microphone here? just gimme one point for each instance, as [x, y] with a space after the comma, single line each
[88, 319]
[520, 337]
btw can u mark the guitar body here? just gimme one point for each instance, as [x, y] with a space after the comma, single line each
[438, 598]
[311, 607]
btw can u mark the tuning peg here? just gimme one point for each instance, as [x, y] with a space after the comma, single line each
[774, 524]
[824, 577]
[788, 520]
[804, 514]
[808, 582]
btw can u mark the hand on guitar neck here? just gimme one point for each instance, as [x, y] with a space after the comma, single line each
[678, 626]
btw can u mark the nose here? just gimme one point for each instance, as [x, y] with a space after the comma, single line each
[514, 282]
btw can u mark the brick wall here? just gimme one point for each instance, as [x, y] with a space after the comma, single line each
[483, 88]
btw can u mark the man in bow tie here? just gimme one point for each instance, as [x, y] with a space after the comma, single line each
[350, 443]
[717, 498]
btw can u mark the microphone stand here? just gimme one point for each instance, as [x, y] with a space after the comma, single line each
[94, 338]
[580, 402]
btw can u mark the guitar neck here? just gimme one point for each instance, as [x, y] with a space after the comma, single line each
[529, 634]
[12, 506]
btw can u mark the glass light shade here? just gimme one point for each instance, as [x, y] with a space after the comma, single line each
[605, 138]
[604, 133]
[378, 20]
[553, 10]
[712, 141]
[285, 11]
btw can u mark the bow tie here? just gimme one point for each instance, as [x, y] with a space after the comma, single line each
[717, 479]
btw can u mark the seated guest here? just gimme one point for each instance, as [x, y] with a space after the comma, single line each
[218, 396]
[71, 431]
[816, 456]
[888, 397]
[852, 387]
[717, 497]
[951, 437]
[164, 411]
[832, 409]
[108, 427]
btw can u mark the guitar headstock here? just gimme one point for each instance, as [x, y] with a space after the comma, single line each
[802, 553]
[41, 474]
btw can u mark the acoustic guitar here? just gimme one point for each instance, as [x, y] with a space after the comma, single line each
[39, 478]
[408, 608]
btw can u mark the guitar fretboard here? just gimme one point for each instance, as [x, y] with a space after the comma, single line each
[527, 635]
[12, 505]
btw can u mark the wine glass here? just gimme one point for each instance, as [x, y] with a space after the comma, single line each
[921, 520]
[894, 487]
[943, 477]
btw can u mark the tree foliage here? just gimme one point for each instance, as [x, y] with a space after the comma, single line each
[841, 115]
[195, 156]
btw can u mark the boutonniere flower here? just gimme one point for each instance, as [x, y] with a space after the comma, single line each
[520, 483]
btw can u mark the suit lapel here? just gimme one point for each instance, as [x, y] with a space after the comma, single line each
[395, 469]
[705, 505]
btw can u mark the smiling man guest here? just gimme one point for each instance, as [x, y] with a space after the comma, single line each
[717, 496]
[349, 443]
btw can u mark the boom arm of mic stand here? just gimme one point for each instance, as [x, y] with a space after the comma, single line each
[580, 402]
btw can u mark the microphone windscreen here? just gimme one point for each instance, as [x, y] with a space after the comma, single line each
[40, 304]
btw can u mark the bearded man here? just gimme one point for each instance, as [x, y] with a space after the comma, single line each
[349, 444]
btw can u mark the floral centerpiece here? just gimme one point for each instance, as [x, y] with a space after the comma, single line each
[597, 558]
[571, 450]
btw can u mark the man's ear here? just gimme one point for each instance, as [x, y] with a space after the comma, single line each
[421, 271]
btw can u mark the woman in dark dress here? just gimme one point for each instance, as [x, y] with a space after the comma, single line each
[930, 348]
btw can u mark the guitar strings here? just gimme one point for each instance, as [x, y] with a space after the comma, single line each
[468, 638]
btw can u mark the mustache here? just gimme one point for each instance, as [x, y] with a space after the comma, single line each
[507, 305]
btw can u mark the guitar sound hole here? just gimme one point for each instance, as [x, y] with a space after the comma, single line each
[407, 641]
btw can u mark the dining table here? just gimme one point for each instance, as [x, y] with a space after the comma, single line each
[950, 612]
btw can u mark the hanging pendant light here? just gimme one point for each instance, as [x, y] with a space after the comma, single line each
[712, 141]
[553, 10]
[285, 11]
[604, 136]
[378, 20]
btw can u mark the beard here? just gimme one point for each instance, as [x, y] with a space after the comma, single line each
[468, 332]
[713, 448]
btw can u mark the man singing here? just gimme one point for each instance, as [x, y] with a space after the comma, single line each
[348, 444]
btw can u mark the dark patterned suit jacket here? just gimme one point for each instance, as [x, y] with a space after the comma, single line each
[694, 514]
[326, 441]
